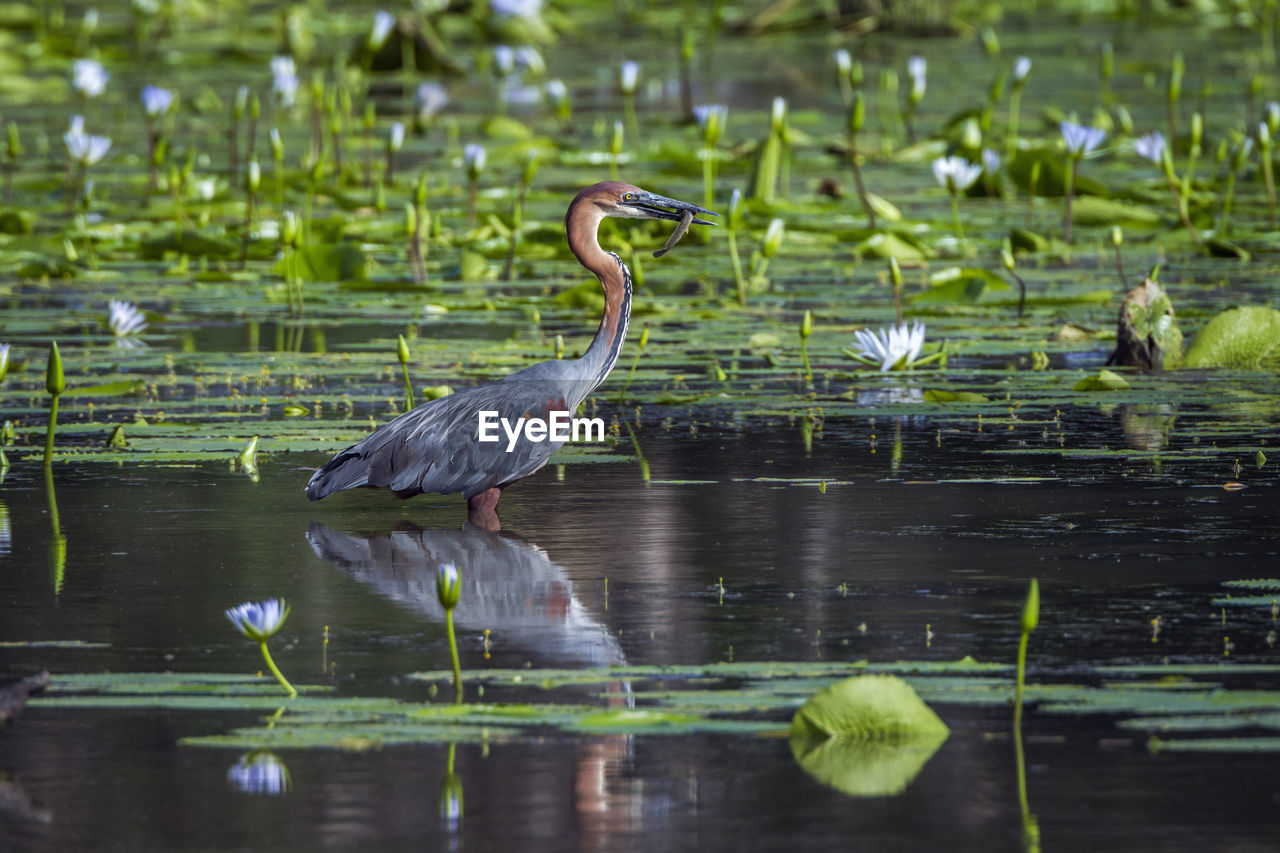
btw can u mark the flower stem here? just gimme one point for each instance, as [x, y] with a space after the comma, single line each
[737, 268]
[408, 388]
[275, 670]
[857, 179]
[453, 655]
[1011, 142]
[955, 217]
[708, 176]
[53, 426]
[1070, 190]
[804, 357]
[1022, 674]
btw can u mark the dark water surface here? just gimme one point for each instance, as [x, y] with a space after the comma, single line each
[155, 554]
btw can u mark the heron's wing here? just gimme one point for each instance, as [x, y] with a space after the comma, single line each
[436, 447]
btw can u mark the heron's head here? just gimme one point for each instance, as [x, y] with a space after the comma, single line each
[614, 198]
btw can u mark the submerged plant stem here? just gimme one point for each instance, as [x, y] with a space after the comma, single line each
[1070, 191]
[275, 670]
[1022, 674]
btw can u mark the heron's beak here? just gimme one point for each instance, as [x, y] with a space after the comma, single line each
[655, 207]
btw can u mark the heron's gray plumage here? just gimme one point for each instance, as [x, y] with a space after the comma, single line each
[436, 447]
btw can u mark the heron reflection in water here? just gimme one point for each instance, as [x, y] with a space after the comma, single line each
[508, 586]
[436, 447]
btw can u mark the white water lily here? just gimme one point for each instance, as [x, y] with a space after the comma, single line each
[528, 58]
[429, 99]
[89, 77]
[1150, 147]
[383, 21]
[259, 773]
[125, 318]
[395, 139]
[473, 156]
[84, 148]
[516, 8]
[916, 68]
[4, 360]
[258, 620]
[156, 101]
[284, 79]
[844, 61]
[504, 59]
[557, 91]
[1021, 68]
[955, 174]
[628, 76]
[1080, 140]
[990, 161]
[895, 347]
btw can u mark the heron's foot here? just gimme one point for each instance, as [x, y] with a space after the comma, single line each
[482, 510]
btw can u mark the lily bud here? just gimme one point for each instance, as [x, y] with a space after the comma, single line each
[420, 191]
[1197, 129]
[54, 380]
[277, 145]
[615, 143]
[1117, 236]
[253, 177]
[447, 585]
[289, 228]
[806, 325]
[773, 238]
[644, 337]
[402, 349]
[1006, 257]
[4, 361]
[13, 144]
[895, 272]
[530, 166]
[857, 112]
[778, 115]
[734, 219]
[410, 219]
[255, 106]
[1031, 608]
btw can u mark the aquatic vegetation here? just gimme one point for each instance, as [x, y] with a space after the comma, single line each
[125, 319]
[259, 621]
[89, 78]
[447, 593]
[893, 348]
[866, 736]
[1030, 620]
[55, 383]
[1080, 142]
[955, 175]
[1147, 333]
[1243, 338]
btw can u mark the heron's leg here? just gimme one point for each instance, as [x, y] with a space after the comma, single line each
[482, 509]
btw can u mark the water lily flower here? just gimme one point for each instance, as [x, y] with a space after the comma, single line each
[207, 188]
[395, 139]
[916, 67]
[990, 161]
[284, 79]
[528, 58]
[429, 99]
[125, 319]
[1151, 147]
[504, 59]
[447, 585]
[473, 156]
[711, 118]
[557, 90]
[156, 101]
[4, 360]
[1021, 68]
[844, 62]
[628, 76]
[259, 773]
[895, 347]
[259, 620]
[89, 77]
[516, 8]
[1080, 140]
[955, 174]
[85, 149]
[383, 21]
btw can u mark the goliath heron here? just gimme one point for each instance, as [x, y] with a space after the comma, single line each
[436, 447]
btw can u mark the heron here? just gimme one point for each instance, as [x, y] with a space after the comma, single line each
[436, 446]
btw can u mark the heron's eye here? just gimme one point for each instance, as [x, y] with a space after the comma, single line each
[629, 197]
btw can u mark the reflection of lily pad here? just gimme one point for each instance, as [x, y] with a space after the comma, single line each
[866, 736]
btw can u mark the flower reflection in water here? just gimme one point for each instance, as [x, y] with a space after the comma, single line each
[259, 773]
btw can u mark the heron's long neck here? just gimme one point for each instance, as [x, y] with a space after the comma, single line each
[614, 276]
